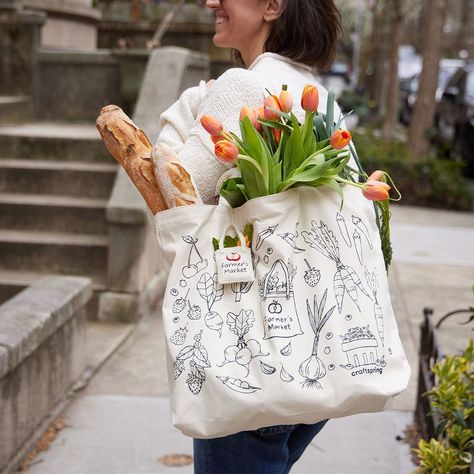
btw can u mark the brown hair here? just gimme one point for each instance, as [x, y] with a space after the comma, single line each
[307, 31]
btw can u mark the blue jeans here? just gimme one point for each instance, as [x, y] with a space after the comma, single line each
[269, 450]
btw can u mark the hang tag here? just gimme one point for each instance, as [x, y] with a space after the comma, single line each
[234, 264]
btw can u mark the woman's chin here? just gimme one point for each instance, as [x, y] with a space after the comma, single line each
[219, 40]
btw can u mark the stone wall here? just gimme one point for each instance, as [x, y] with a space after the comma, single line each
[75, 85]
[42, 352]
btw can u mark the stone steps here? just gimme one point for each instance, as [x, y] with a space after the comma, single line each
[57, 177]
[15, 109]
[44, 212]
[53, 141]
[54, 252]
[55, 181]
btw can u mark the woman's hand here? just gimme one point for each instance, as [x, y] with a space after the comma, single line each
[209, 85]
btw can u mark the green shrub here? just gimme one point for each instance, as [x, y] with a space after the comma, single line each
[432, 182]
[452, 401]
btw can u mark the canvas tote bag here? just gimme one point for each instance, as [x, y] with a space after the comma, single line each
[313, 336]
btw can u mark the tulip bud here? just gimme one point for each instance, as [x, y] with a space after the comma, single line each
[375, 190]
[252, 115]
[376, 176]
[277, 134]
[310, 98]
[226, 152]
[216, 138]
[286, 101]
[271, 102]
[260, 112]
[212, 125]
[340, 139]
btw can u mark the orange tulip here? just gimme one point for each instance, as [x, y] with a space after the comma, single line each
[310, 98]
[376, 176]
[252, 115]
[277, 134]
[260, 112]
[271, 102]
[340, 139]
[226, 151]
[375, 190]
[286, 101]
[216, 138]
[212, 125]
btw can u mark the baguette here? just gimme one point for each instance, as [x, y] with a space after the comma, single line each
[174, 180]
[130, 146]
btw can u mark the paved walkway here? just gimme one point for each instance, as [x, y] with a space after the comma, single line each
[120, 423]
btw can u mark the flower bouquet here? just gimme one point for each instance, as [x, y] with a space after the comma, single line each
[276, 152]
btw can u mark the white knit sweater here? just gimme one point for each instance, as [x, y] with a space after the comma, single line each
[181, 127]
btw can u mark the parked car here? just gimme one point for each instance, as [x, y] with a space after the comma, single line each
[409, 87]
[455, 115]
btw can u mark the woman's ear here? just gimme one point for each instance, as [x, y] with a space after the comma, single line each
[273, 10]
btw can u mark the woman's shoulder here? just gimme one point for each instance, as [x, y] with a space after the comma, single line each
[238, 77]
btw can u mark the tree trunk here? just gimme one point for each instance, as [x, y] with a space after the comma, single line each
[424, 112]
[393, 92]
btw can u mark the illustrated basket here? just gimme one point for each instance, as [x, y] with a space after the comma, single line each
[312, 337]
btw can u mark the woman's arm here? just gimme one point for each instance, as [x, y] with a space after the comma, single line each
[181, 128]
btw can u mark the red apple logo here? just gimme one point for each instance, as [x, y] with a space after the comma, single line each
[233, 257]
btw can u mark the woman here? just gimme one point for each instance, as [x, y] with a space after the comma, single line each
[278, 42]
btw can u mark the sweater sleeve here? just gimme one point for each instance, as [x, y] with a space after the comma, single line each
[182, 130]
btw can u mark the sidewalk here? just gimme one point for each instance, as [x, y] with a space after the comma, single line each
[120, 423]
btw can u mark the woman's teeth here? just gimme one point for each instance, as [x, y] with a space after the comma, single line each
[221, 19]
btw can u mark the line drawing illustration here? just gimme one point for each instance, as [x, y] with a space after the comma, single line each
[357, 221]
[341, 223]
[197, 357]
[264, 234]
[178, 338]
[211, 291]
[267, 369]
[313, 369]
[174, 292]
[373, 284]
[266, 259]
[358, 246]
[312, 275]
[280, 314]
[346, 280]
[237, 385]
[286, 351]
[360, 346]
[285, 376]
[194, 311]
[289, 238]
[180, 304]
[195, 263]
[242, 288]
[245, 350]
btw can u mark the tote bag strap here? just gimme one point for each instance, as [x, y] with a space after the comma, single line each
[237, 231]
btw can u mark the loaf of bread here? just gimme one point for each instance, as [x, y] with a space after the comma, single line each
[175, 182]
[129, 145]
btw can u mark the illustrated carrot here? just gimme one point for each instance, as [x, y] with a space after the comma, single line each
[346, 280]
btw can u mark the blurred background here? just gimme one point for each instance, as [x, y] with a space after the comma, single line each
[79, 265]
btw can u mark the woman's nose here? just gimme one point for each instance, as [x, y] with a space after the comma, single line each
[213, 3]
